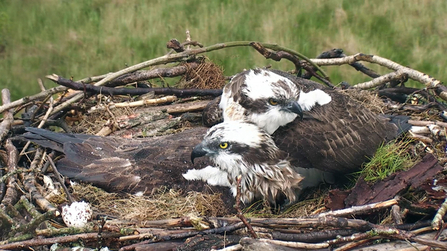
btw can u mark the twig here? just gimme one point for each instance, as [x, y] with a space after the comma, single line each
[28, 182]
[351, 245]
[29, 227]
[277, 56]
[28, 99]
[148, 74]
[426, 123]
[175, 45]
[6, 221]
[382, 79]
[8, 116]
[290, 244]
[188, 39]
[423, 78]
[230, 248]
[359, 209]
[321, 235]
[155, 101]
[167, 235]
[408, 236]
[396, 215]
[60, 179]
[50, 107]
[11, 195]
[182, 56]
[132, 91]
[338, 53]
[62, 239]
[187, 107]
[224, 229]
[240, 215]
[5, 177]
[437, 220]
[44, 119]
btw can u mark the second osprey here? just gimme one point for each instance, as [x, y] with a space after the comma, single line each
[334, 133]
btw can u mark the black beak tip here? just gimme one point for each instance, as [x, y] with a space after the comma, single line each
[198, 151]
[296, 108]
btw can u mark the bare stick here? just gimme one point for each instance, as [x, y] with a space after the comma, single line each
[396, 215]
[240, 215]
[11, 195]
[61, 239]
[230, 248]
[28, 182]
[60, 179]
[426, 123]
[352, 245]
[44, 119]
[28, 99]
[188, 39]
[132, 91]
[148, 74]
[437, 220]
[182, 56]
[154, 101]
[50, 107]
[423, 78]
[382, 79]
[359, 209]
[290, 244]
[5, 125]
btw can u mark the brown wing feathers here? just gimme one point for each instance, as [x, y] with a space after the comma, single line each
[338, 137]
[118, 164]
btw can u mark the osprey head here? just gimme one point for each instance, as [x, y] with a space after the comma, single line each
[267, 99]
[241, 148]
[231, 142]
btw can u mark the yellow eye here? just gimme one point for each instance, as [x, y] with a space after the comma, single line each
[273, 101]
[223, 145]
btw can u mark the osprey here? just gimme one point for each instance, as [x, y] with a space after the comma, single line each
[334, 133]
[240, 148]
[137, 166]
[268, 99]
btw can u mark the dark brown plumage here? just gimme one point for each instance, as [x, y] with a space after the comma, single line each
[337, 136]
[127, 165]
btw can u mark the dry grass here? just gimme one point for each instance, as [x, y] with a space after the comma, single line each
[368, 98]
[164, 204]
[206, 76]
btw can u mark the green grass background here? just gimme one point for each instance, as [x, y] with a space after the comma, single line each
[81, 38]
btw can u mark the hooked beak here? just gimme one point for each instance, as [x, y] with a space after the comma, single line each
[294, 107]
[198, 151]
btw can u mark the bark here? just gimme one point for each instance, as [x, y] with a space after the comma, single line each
[93, 89]
[364, 193]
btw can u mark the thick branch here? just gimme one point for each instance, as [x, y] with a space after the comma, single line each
[423, 78]
[338, 53]
[61, 239]
[132, 91]
[151, 74]
[11, 194]
[27, 99]
[183, 56]
[277, 56]
[5, 125]
[360, 209]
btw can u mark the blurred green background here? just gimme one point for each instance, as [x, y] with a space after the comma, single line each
[91, 37]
